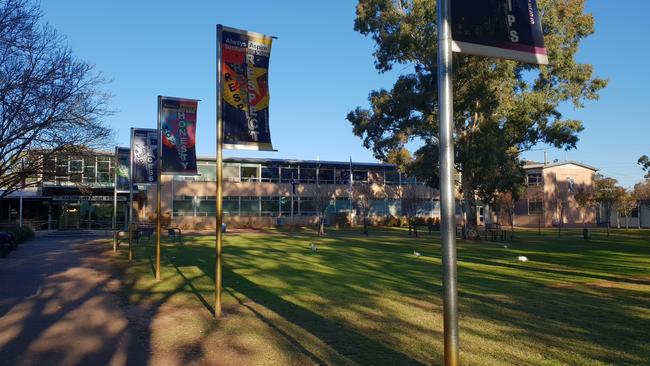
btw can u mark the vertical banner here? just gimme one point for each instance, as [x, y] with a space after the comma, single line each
[508, 29]
[122, 179]
[144, 153]
[178, 123]
[244, 65]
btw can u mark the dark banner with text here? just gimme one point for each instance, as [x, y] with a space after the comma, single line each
[244, 58]
[144, 152]
[508, 29]
[178, 123]
[122, 181]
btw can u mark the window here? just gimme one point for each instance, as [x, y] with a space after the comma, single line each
[270, 206]
[535, 179]
[342, 176]
[231, 173]
[90, 173]
[308, 175]
[206, 206]
[360, 175]
[392, 177]
[376, 176]
[342, 204]
[76, 165]
[394, 207]
[307, 206]
[183, 207]
[61, 166]
[249, 206]
[535, 207]
[288, 173]
[270, 173]
[378, 207]
[325, 176]
[285, 205]
[230, 205]
[207, 172]
[250, 173]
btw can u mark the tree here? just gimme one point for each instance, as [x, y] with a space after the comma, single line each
[642, 195]
[364, 195]
[410, 203]
[323, 197]
[625, 204]
[585, 200]
[501, 108]
[606, 195]
[644, 161]
[50, 101]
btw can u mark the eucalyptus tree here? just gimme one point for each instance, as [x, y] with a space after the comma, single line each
[501, 108]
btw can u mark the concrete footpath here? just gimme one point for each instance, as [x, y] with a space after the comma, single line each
[56, 307]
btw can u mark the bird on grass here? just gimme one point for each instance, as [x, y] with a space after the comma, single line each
[505, 246]
[417, 254]
[312, 247]
[522, 258]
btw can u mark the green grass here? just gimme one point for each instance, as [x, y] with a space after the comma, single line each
[369, 300]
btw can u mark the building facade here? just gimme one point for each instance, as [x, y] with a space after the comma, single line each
[550, 196]
[77, 193]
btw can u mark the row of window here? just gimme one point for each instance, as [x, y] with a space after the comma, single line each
[282, 206]
[242, 172]
[63, 170]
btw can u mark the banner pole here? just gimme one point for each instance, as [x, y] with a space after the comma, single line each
[447, 197]
[115, 201]
[158, 186]
[219, 238]
[131, 199]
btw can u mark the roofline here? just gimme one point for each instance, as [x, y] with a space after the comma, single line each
[293, 161]
[560, 163]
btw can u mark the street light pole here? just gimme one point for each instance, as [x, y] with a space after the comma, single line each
[447, 200]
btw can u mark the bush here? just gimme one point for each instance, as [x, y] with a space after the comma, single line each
[340, 219]
[21, 234]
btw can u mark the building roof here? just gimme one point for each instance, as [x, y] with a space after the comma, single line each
[535, 165]
[295, 161]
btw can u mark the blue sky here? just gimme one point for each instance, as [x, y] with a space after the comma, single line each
[321, 69]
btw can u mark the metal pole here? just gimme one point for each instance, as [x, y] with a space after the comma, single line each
[20, 209]
[131, 199]
[115, 201]
[447, 201]
[217, 278]
[158, 186]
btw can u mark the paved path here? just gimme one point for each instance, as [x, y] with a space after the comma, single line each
[55, 308]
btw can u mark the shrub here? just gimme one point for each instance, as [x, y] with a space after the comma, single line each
[340, 219]
[21, 234]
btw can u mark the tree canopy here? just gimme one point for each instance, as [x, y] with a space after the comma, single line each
[501, 108]
[50, 101]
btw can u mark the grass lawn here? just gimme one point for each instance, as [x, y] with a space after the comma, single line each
[369, 300]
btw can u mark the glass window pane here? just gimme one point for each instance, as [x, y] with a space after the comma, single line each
[249, 173]
[308, 175]
[285, 205]
[287, 173]
[103, 166]
[307, 206]
[206, 207]
[231, 172]
[76, 165]
[392, 177]
[269, 174]
[249, 206]
[207, 172]
[326, 176]
[270, 206]
[230, 205]
[183, 207]
[360, 175]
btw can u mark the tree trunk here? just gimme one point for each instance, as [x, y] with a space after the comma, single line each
[365, 226]
[471, 222]
[321, 226]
